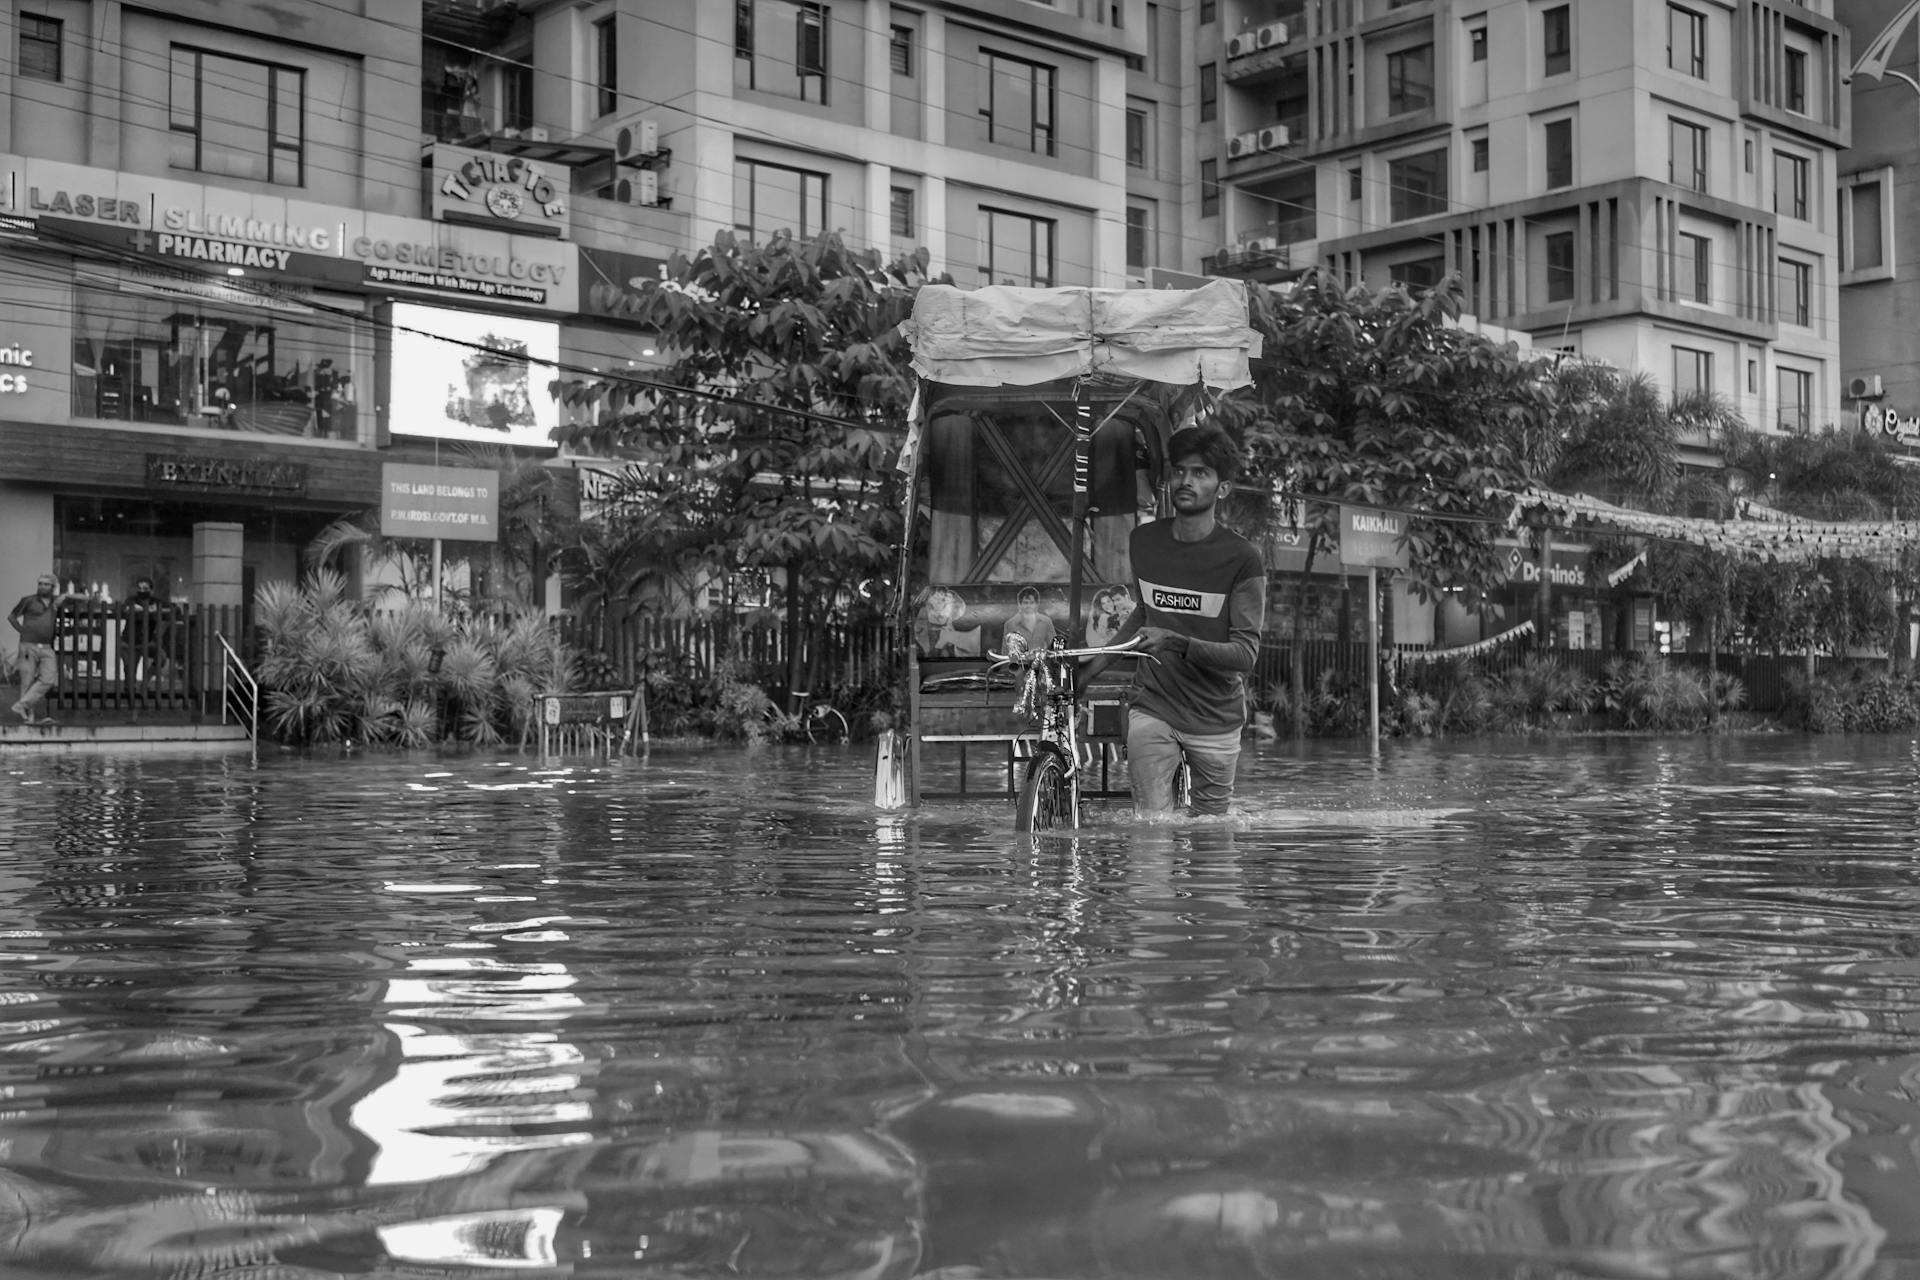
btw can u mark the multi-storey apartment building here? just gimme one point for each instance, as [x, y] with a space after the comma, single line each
[1645, 181]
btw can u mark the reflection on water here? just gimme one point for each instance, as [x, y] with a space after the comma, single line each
[1594, 1008]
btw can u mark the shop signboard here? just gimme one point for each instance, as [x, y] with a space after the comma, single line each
[507, 193]
[1371, 538]
[1567, 563]
[610, 281]
[458, 503]
[468, 375]
[1887, 419]
[200, 473]
[262, 237]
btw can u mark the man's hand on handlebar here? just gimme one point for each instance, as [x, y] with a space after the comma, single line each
[1156, 641]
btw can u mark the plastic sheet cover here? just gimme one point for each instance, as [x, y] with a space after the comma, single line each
[1005, 336]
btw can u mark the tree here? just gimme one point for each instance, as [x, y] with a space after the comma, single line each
[780, 411]
[1378, 398]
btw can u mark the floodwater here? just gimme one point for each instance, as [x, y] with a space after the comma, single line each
[1590, 1007]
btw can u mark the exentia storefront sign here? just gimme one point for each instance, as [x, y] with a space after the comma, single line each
[460, 503]
[464, 375]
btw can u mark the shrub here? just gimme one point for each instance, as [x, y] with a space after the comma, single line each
[1532, 694]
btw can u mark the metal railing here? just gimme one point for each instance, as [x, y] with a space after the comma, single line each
[239, 694]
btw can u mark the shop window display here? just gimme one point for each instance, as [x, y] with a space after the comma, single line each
[185, 361]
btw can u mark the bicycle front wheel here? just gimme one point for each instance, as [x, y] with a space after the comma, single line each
[1046, 796]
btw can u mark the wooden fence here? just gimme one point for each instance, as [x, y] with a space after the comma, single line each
[178, 672]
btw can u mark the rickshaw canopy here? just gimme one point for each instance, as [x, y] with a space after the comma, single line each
[1005, 336]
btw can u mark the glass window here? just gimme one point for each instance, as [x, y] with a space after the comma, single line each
[773, 197]
[1557, 39]
[1477, 44]
[1796, 400]
[900, 220]
[1353, 184]
[1481, 155]
[1016, 248]
[1692, 371]
[188, 361]
[516, 95]
[1209, 11]
[1139, 236]
[40, 47]
[1209, 188]
[1417, 185]
[1410, 80]
[1209, 91]
[1017, 102]
[1687, 155]
[1136, 138]
[1793, 81]
[1796, 288]
[1559, 247]
[237, 117]
[1421, 273]
[900, 51]
[1687, 41]
[1693, 267]
[781, 47]
[606, 66]
[1865, 235]
[1558, 139]
[1790, 176]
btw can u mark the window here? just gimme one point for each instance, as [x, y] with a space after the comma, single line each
[1209, 188]
[1017, 101]
[237, 117]
[1016, 249]
[1687, 42]
[516, 95]
[1209, 11]
[1557, 40]
[772, 197]
[1693, 267]
[1557, 137]
[900, 51]
[900, 211]
[1410, 80]
[780, 46]
[1417, 185]
[39, 47]
[1353, 184]
[606, 66]
[1136, 138]
[1209, 91]
[1790, 185]
[1866, 236]
[1153, 39]
[1139, 234]
[1559, 245]
[1796, 400]
[1796, 288]
[1477, 44]
[190, 362]
[1687, 155]
[1692, 371]
[1480, 154]
[1793, 81]
[1421, 273]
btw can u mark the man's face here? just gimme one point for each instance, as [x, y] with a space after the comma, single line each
[143, 588]
[1196, 486]
[44, 586]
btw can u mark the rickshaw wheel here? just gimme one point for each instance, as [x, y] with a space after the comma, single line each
[1046, 796]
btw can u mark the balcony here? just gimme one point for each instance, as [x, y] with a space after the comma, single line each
[1262, 258]
[1265, 65]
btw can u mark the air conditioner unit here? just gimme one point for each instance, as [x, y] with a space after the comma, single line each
[1870, 387]
[512, 131]
[1263, 244]
[535, 133]
[1243, 44]
[1273, 137]
[1271, 35]
[636, 139]
[643, 189]
[1243, 144]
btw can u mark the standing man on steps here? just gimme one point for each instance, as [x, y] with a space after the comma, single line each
[1202, 590]
[37, 667]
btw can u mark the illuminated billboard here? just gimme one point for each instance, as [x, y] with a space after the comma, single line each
[462, 375]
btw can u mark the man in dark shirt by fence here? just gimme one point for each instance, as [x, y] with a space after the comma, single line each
[37, 667]
[146, 637]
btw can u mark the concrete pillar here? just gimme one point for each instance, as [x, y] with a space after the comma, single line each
[26, 531]
[217, 564]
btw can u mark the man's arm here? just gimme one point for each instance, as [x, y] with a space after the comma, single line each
[13, 619]
[1246, 619]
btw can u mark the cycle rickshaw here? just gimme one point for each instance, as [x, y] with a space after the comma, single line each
[1037, 442]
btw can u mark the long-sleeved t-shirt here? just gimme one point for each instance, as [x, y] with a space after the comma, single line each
[1214, 593]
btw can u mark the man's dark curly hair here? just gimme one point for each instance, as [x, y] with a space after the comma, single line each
[1215, 447]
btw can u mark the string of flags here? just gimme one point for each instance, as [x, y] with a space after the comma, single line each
[1762, 533]
[1625, 571]
[1466, 650]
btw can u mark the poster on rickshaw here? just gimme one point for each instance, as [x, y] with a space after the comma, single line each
[971, 620]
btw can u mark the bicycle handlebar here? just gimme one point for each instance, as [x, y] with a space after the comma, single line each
[1131, 649]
